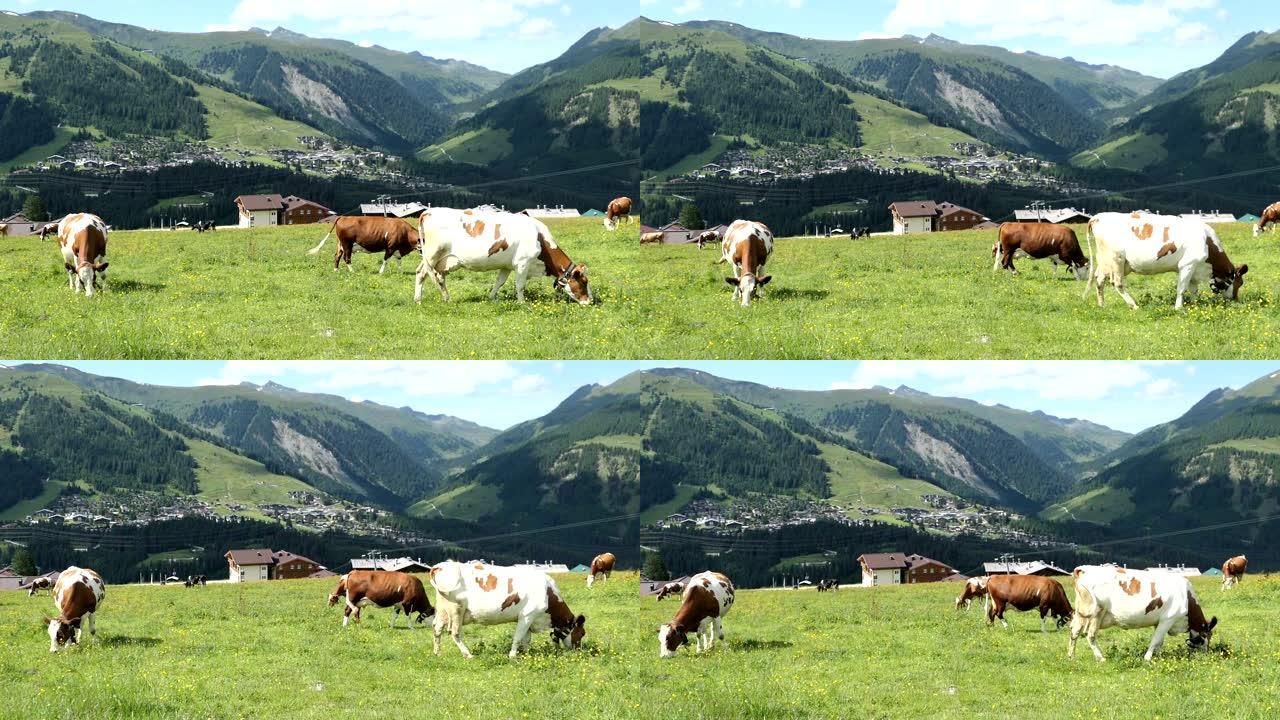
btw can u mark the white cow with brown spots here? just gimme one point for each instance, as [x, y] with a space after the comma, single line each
[490, 241]
[77, 595]
[708, 596]
[82, 240]
[1233, 570]
[747, 245]
[601, 567]
[494, 595]
[974, 587]
[1107, 595]
[1150, 244]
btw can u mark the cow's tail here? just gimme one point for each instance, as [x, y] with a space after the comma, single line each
[1091, 279]
[1086, 603]
[325, 239]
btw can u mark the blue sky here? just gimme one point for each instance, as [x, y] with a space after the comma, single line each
[506, 35]
[1126, 395]
[1157, 37]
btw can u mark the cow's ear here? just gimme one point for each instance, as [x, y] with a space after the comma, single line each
[1213, 623]
[68, 266]
[100, 267]
[580, 271]
[764, 280]
[580, 621]
[1242, 270]
[731, 281]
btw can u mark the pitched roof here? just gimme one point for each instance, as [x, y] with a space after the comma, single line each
[284, 556]
[1053, 215]
[397, 210]
[401, 564]
[257, 556]
[914, 560]
[16, 218]
[884, 561]
[915, 208]
[947, 208]
[1030, 567]
[252, 203]
[322, 573]
[293, 201]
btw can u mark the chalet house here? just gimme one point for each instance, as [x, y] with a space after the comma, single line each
[289, 566]
[921, 569]
[922, 216]
[259, 210]
[250, 565]
[18, 224]
[901, 568]
[673, 233]
[1031, 567]
[299, 211]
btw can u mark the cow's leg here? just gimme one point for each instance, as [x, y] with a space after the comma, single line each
[1117, 281]
[93, 625]
[517, 638]
[1157, 640]
[498, 283]
[426, 269]
[1077, 624]
[395, 615]
[455, 631]
[349, 610]
[1184, 283]
[522, 277]
[383, 268]
[436, 627]
[1092, 636]
[719, 628]
[1043, 612]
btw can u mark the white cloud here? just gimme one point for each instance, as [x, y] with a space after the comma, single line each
[1081, 22]
[1161, 388]
[1048, 380]
[365, 43]
[431, 20]
[566, 9]
[1191, 32]
[537, 26]
[408, 378]
[687, 7]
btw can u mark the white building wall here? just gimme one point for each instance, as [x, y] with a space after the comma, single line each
[903, 226]
[249, 573]
[880, 577]
[257, 218]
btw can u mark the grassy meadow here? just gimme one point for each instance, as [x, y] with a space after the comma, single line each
[896, 652]
[257, 294]
[276, 650]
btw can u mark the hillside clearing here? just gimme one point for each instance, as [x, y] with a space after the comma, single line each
[273, 649]
[904, 652]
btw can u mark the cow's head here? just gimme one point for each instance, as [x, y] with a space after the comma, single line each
[61, 632]
[574, 284]
[1199, 638]
[86, 275]
[1257, 229]
[1080, 270]
[570, 637]
[1229, 283]
[339, 591]
[670, 638]
[747, 286]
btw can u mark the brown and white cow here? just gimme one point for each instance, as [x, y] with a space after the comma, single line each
[382, 588]
[1233, 571]
[974, 587]
[708, 236]
[493, 595]
[1270, 216]
[601, 566]
[1027, 592]
[671, 588]
[651, 238]
[707, 599]
[4, 231]
[1107, 595]
[372, 234]
[40, 583]
[77, 595]
[619, 210]
[82, 240]
[747, 245]
[1036, 241]
[1150, 244]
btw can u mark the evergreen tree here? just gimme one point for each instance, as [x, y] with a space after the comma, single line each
[23, 563]
[654, 568]
[691, 218]
[34, 209]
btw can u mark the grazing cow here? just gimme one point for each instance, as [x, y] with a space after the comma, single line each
[4, 231]
[76, 595]
[651, 238]
[493, 595]
[619, 209]
[671, 588]
[40, 583]
[707, 237]
[1107, 595]
[828, 585]
[1270, 216]
[1233, 571]
[371, 234]
[1036, 241]
[602, 566]
[82, 239]
[498, 242]
[1151, 244]
[974, 587]
[707, 599]
[1027, 592]
[747, 245]
[382, 588]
